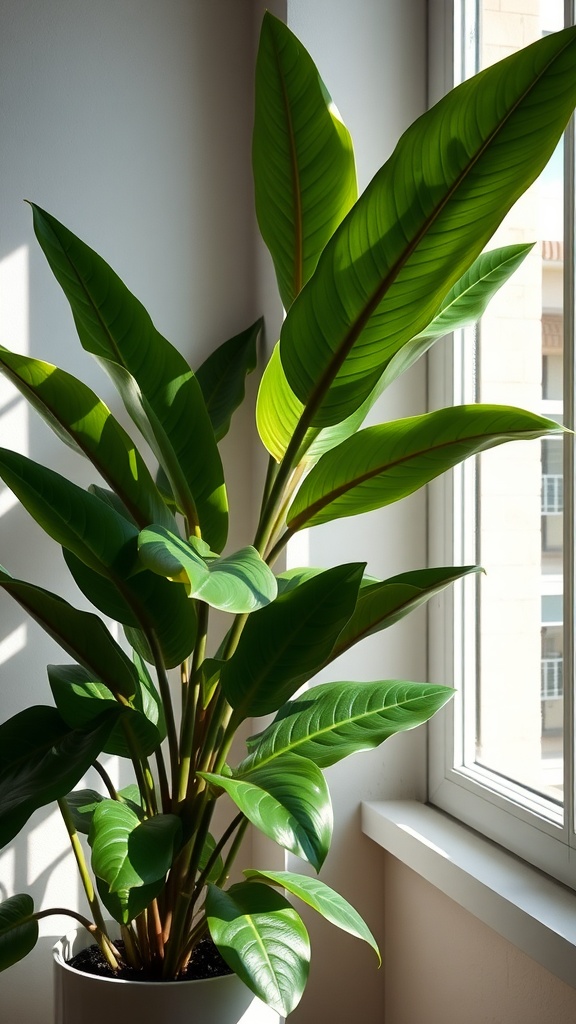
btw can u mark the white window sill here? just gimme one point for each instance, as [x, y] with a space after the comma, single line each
[526, 907]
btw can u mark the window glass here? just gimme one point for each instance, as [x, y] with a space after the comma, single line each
[519, 706]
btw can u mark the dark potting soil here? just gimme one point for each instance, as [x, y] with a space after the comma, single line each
[205, 962]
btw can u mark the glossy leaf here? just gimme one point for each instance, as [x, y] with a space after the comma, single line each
[218, 864]
[41, 760]
[127, 904]
[158, 387]
[222, 377]
[333, 720]
[238, 583]
[288, 801]
[263, 940]
[385, 463]
[85, 423]
[284, 644]
[80, 699]
[146, 601]
[278, 413]
[18, 934]
[304, 173]
[320, 897]
[128, 853]
[411, 236]
[92, 530]
[83, 802]
[81, 634]
[382, 603]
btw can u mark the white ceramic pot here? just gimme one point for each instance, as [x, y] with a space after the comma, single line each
[81, 998]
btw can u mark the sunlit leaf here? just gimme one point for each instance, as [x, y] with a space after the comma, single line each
[331, 721]
[288, 801]
[262, 939]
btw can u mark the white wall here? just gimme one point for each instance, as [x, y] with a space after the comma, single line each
[130, 121]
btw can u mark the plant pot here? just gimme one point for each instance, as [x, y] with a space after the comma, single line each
[83, 997]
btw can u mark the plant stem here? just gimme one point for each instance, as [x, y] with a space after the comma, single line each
[106, 945]
[106, 780]
[82, 866]
[164, 685]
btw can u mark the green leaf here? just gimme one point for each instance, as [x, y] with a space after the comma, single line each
[128, 853]
[284, 644]
[222, 377]
[127, 904]
[143, 600]
[82, 803]
[18, 934]
[81, 634]
[263, 940]
[288, 801]
[322, 898]
[278, 413]
[422, 221]
[304, 173]
[91, 529]
[382, 603]
[333, 720]
[80, 699]
[158, 387]
[383, 464]
[85, 423]
[41, 760]
[238, 583]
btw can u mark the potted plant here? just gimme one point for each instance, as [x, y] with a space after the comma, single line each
[368, 284]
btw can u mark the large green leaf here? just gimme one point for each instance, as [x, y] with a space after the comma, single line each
[424, 218]
[385, 463]
[128, 853]
[464, 304]
[322, 898]
[41, 760]
[83, 422]
[143, 600]
[333, 720]
[288, 801]
[382, 603]
[91, 529]
[304, 174]
[81, 634]
[18, 934]
[158, 387]
[80, 699]
[284, 644]
[222, 376]
[238, 583]
[263, 940]
[83, 802]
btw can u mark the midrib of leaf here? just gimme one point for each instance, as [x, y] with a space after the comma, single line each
[319, 391]
[296, 191]
[337, 492]
[351, 719]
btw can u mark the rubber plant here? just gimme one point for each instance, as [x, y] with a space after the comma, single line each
[368, 285]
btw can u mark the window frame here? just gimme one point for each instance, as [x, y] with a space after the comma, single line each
[521, 821]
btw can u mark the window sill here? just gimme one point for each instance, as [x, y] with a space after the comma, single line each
[526, 907]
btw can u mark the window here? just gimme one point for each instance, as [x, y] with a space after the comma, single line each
[502, 759]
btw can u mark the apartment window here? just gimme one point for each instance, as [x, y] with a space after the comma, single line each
[503, 757]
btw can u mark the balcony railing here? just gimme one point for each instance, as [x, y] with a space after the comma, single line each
[552, 494]
[551, 678]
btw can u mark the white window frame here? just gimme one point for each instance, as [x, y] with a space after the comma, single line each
[523, 822]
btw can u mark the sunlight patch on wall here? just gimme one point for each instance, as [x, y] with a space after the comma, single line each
[15, 335]
[12, 644]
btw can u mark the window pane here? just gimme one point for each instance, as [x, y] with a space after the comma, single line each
[519, 705]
